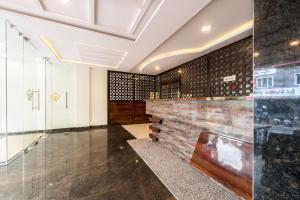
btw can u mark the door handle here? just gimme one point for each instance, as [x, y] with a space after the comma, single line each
[66, 100]
[33, 107]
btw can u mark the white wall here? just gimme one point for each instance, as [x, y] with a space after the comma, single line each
[82, 96]
[2, 80]
[98, 97]
[87, 98]
[61, 80]
[88, 102]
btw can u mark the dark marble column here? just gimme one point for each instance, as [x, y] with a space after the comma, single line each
[277, 99]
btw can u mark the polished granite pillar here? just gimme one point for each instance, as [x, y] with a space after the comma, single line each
[277, 99]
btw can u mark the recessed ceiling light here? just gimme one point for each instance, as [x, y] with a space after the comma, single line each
[65, 1]
[179, 71]
[295, 43]
[157, 68]
[206, 28]
[238, 30]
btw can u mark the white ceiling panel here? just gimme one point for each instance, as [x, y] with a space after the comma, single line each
[121, 15]
[228, 22]
[76, 9]
[100, 55]
[20, 3]
[137, 29]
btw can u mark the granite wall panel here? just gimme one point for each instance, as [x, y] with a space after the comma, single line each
[277, 99]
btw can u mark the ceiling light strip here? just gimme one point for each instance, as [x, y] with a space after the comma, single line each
[51, 47]
[61, 59]
[85, 63]
[240, 29]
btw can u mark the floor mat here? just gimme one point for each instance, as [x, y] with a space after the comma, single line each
[184, 182]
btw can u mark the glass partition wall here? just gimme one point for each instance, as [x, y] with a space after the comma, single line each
[3, 138]
[22, 93]
[61, 88]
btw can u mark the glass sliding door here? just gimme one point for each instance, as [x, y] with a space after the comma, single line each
[60, 96]
[14, 86]
[33, 94]
[3, 142]
[22, 93]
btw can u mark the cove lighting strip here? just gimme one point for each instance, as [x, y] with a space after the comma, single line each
[61, 59]
[240, 29]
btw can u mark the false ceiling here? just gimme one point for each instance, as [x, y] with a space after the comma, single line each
[220, 23]
[114, 34]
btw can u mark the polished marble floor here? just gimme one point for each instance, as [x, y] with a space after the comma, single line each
[138, 130]
[92, 165]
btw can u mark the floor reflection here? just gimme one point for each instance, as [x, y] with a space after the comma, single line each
[98, 164]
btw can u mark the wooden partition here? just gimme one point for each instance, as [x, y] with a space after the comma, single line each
[127, 112]
[126, 95]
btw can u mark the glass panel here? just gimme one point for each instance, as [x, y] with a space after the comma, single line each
[33, 106]
[259, 83]
[264, 82]
[60, 91]
[22, 93]
[14, 92]
[270, 84]
[3, 152]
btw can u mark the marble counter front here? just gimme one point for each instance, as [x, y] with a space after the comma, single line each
[214, 135]
[185, 119]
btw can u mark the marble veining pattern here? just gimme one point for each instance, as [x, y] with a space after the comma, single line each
[183, 121]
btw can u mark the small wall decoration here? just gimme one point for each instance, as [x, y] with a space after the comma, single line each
[55, 96]
[229, 78]
[29, 94]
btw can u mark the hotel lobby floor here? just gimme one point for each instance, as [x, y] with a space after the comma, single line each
[93, 165]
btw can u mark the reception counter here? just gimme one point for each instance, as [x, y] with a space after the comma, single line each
[214, 135]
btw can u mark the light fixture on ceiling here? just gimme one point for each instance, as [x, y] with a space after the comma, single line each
[238, 30]
[295, 43]
[205, 28]
[65, 1]
[61, 59]
[157, 68]
[256, 54]
[179, 71]
[51, 47]
[86, 63]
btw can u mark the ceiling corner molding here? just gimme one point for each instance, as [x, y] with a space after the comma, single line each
[76, 25]
[93, 13]
[39, 5]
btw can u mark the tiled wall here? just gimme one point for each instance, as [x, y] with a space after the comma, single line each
[277, 99]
